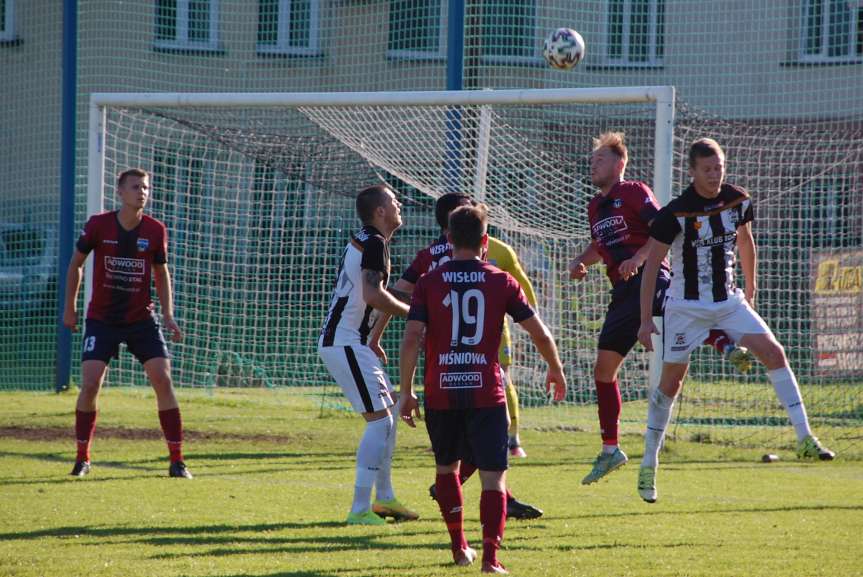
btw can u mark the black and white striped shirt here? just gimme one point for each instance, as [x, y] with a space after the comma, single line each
[349, 319]
[702, 233]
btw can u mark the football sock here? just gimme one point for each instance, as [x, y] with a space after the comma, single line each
[718, 340]
[451, 502]
[609, 449]
[465, 471]
[369, 455]
[512, 405]
[172, 427]
[384, 481]
[658, 415]
[85, 426]
[608, 406]
[785, 385]
[492, 515]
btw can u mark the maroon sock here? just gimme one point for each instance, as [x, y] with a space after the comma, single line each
[172, 427]
[465, 471]
[492, 515]
[451, 503]
[85, 426]
[608, 401]
[718, 340]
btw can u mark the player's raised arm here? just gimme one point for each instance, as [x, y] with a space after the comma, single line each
[73, 284]
[546, 346]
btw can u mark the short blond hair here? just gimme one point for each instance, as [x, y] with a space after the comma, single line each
[614, 142]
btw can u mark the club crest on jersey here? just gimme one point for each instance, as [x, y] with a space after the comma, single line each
[617, 203]
[143, 244]
[697, 225]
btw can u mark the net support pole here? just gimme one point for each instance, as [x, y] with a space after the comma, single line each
[454, 82]
[662, 177]
[63, 368]
[95, 181]
[484, 138]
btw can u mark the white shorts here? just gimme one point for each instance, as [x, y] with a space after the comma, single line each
[359, 373]
[687, 323]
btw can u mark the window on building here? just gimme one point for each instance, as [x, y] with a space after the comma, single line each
[288, 26]
[7, 20]
[416, 29]
[509, 30]
[187, 24]
[635, 32]
[832, 31]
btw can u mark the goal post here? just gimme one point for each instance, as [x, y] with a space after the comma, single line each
[257, 191]
[659, 99]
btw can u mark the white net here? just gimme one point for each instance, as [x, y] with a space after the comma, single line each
[259, 204]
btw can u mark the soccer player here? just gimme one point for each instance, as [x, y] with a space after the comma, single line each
[130, 248]
[358, 293]
[619, 217]
[702, 227]
[459, 309]
[428, 259]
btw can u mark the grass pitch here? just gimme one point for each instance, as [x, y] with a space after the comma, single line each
[273, 483]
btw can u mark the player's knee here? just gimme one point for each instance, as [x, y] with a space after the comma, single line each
[162, 382]
[773, 355]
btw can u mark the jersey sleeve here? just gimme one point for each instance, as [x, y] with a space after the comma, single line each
[506, 260]
[419, 308]
[646, 205]
[89, 237]
[665, 227]
[160, 256]
[417, 268]
[374, 255]
[517, 306]
[748, 212]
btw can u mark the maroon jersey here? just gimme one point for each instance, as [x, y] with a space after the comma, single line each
[463, 303]
[428, 259]
[619, 223]
[122, 266]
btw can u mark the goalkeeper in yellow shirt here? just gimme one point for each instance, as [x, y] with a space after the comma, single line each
[503, 257]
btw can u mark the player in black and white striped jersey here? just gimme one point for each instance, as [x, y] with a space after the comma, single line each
[702, 227]
[359, 291]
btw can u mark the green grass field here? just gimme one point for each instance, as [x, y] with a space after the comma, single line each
[274, 481]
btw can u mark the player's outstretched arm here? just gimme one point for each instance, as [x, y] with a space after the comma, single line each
[407, 368]
[376, 296]
[544, 342]
[656, 252]
[748, 261]
[588, 257]
[402, 290]
[73, 284]
[166, 300]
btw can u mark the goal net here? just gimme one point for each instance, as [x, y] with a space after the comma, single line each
[257, 194]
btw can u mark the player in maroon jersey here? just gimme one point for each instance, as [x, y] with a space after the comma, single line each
[460, 307]
[129, 249]
[620, 216]
[438, 252]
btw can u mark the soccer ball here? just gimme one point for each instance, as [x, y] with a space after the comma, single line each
[564, 48]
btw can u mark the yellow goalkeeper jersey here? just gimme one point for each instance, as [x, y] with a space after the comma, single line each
[503, 257]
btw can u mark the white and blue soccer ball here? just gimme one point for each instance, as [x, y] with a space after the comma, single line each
[563, 48]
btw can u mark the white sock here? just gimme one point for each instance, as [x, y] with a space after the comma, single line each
[608, 449]
[370, 453]
[384, 481]
[785, 385]
[659, 407]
